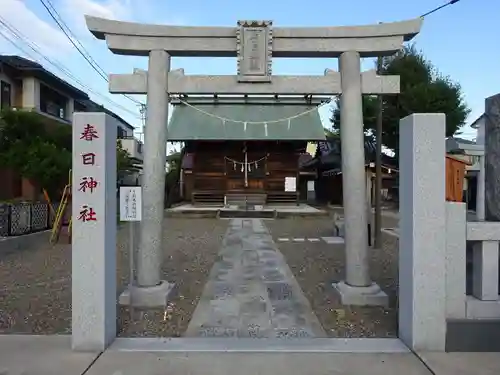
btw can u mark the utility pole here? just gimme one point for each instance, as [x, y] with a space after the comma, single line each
[378, 166]
[378, 155]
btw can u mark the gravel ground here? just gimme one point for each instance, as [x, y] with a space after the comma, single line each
[316, 265]
[35, 284]
[191, 248]
[35, 290]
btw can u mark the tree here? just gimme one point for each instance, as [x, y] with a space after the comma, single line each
[124, 163]
[41, 152]
[423, 90]
[172, 177]
[35, 152]
[331, 134]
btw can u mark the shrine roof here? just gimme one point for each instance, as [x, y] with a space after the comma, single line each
[206, 122]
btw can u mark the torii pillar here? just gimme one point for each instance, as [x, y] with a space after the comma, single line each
[358, 288]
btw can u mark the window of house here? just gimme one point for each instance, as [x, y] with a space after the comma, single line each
[6, 95]
[80, 107]
[121, 133]
[52, 102]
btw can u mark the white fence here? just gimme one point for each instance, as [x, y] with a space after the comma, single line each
[484, 303]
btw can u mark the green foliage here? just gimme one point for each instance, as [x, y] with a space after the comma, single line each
[172, 193]
[41, 151]
[124, 163]
[423, 90]
[332, 134]
[36, 152]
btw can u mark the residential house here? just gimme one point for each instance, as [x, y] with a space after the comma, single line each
[27, 85]
[125, 131]
[479, 125]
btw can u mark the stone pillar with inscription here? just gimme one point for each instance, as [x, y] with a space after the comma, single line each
[357, 289]
[492, 158]
[93, 231]
[486, 253]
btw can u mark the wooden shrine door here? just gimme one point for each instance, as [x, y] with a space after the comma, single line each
[246, 172]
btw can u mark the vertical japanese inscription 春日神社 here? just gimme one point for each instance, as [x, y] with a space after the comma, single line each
[254, 39]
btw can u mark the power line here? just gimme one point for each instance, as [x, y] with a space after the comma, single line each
[73, 37]
[58, 65]
[33, 46]
[439, 8]
[74, 41]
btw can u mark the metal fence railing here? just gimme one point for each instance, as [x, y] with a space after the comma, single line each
[17, 219]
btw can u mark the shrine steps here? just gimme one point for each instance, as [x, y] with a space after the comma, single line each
[266, 212]
[208, 198]
[281, 198]
[245, 199]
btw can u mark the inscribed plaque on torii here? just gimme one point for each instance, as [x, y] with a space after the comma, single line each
[254, 48]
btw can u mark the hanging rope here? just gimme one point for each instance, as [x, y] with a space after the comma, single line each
[246, 166]
[243, 163]
[224, 119]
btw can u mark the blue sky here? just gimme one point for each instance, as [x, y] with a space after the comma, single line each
[460, 39]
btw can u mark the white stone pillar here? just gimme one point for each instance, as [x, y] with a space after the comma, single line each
[456, 242]
[485, 270]
[150, 252]
[480, 212]
[93, 247]
[422, 226]
[70, 109]
[358, 288]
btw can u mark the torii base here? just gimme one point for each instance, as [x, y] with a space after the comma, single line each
[361, 296]
[149, 297]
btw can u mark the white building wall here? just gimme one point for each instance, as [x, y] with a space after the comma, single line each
[480, 131]
[31, 93]
[132, 146]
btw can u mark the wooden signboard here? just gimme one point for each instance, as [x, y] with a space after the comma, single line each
[455, 173]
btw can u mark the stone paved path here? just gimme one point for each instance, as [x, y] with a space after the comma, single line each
[251, 291]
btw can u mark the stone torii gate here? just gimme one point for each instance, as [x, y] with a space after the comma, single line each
[255, 43]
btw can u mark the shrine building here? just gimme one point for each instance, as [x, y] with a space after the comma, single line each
[243, 146]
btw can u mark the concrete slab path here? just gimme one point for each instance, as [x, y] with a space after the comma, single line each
[41, 355]
[147, 363]
[52, 355]
[251, 291]
[462, 363]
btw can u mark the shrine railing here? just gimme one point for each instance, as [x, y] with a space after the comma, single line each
[472, 266]
[22, 218]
